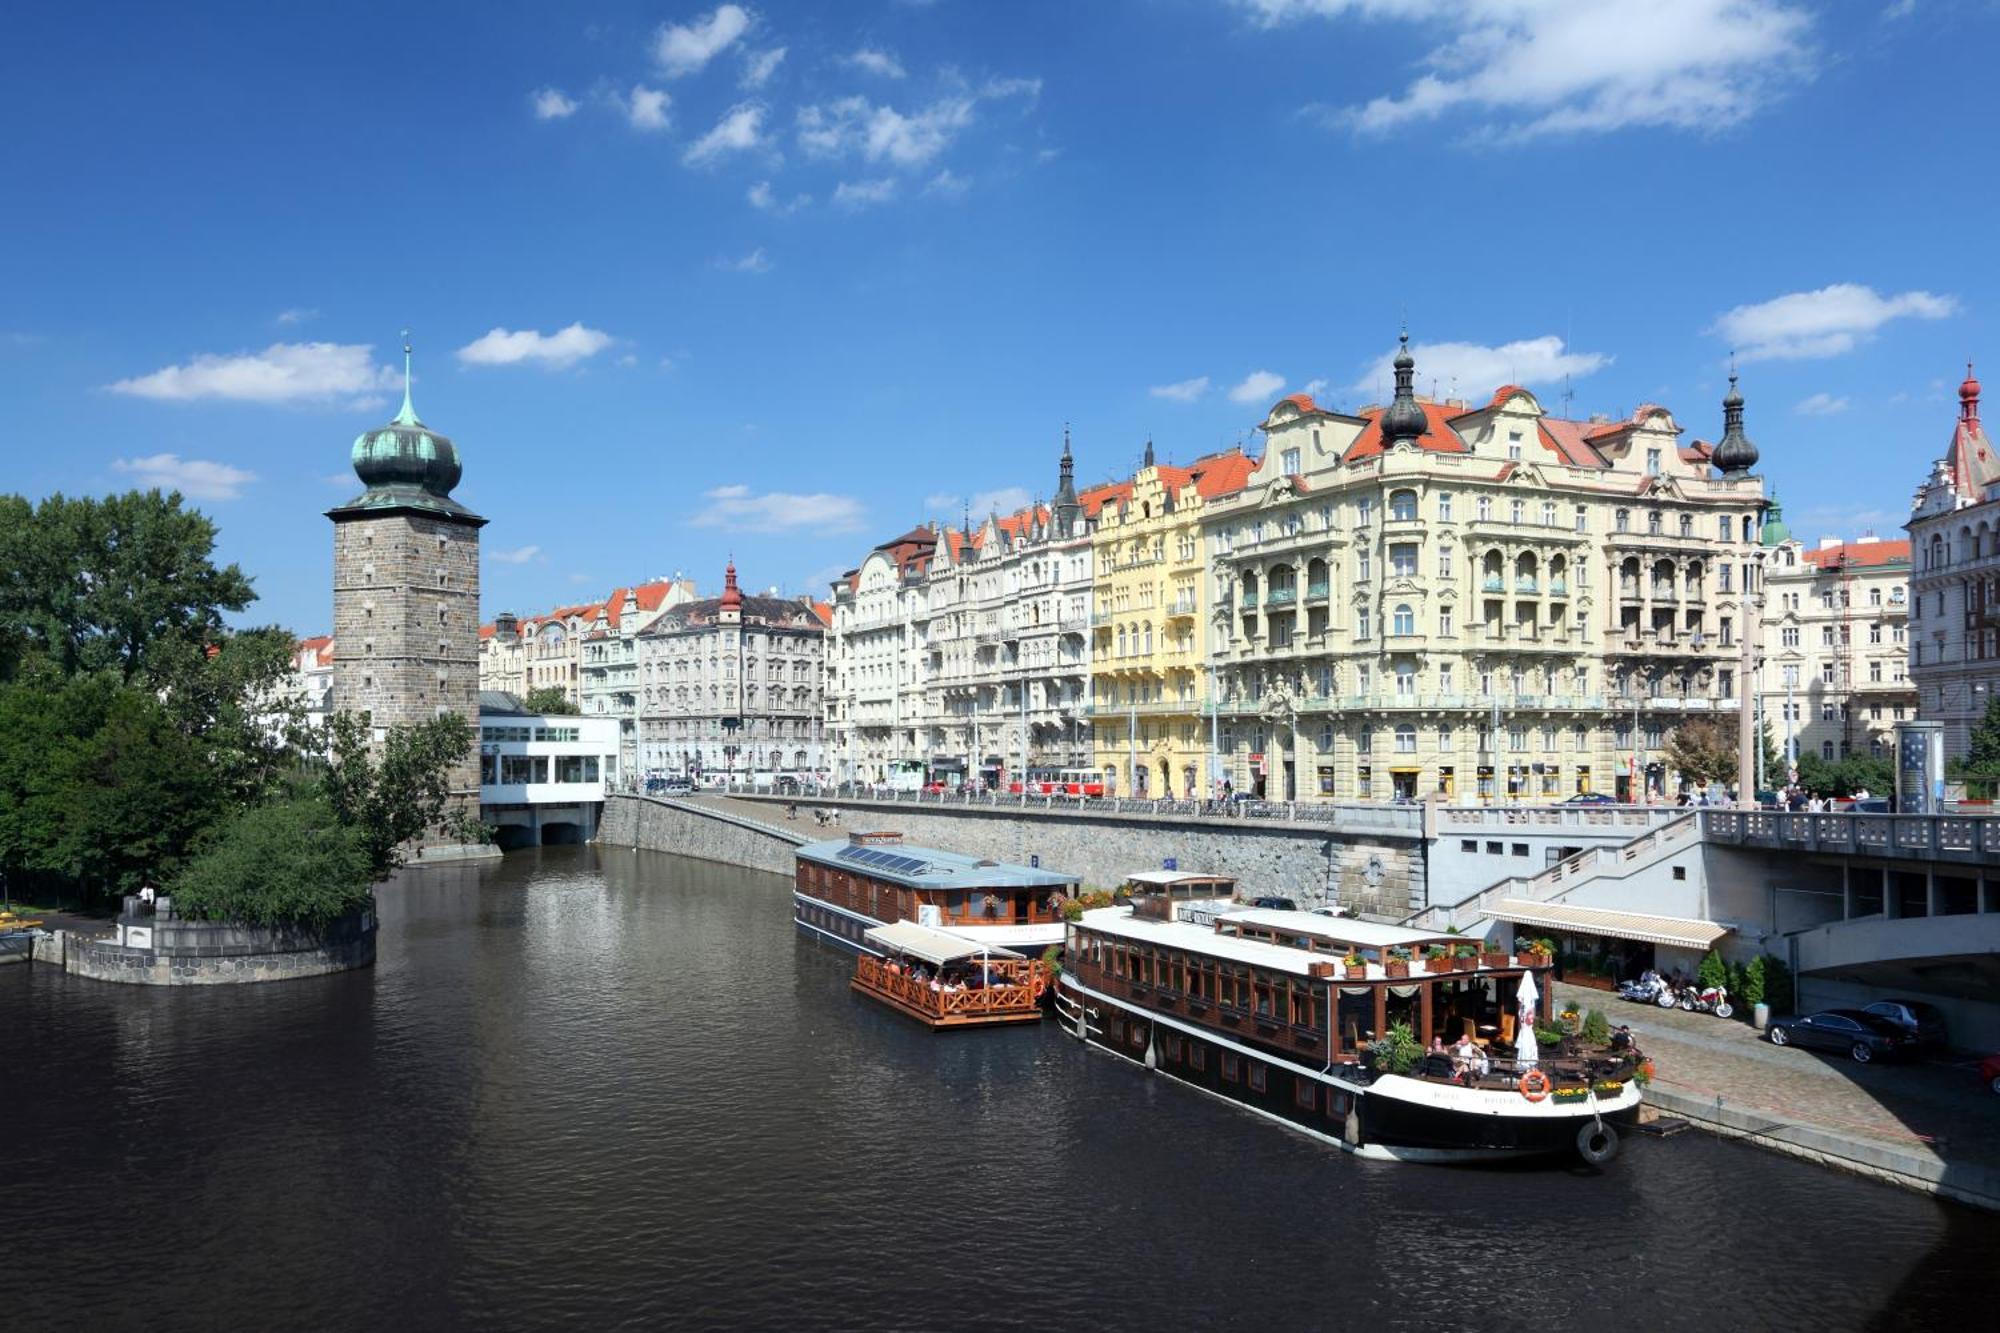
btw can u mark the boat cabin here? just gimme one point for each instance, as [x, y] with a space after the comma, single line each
[1183, 885]
[1298, 981]
[946, 981]
[843, 887]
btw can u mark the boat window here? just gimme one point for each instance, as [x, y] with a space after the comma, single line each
[1259, 1076]
[1305, 1093]
[1232, 1067]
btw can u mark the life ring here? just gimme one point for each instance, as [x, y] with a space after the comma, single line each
[1596, 1143]
[1534, 1085]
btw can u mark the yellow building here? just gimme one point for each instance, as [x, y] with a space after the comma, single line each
[1149, 626]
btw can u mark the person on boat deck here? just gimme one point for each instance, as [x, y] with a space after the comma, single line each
[1437, 1046]
[1621, 1039]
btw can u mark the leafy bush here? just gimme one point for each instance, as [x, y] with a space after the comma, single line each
[291, 862]
[1597, 1028]
[1778, 989]
[1549, 1035]
[1052, 961]
[1397, 1053]
[1713, 971]
[1750, 987]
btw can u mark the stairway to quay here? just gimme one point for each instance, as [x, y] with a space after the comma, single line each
[1860, 907]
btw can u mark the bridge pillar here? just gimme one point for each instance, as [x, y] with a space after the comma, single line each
[1846, 891]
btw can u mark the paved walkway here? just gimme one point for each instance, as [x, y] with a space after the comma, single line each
[1937, 1110]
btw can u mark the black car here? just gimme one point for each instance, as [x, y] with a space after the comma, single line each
[1864, 1036]
[1275, 904]
[1926, 1020]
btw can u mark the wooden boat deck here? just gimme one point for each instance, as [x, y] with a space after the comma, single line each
[1015, 998]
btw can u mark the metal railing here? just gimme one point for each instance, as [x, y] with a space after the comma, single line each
[1921, 837]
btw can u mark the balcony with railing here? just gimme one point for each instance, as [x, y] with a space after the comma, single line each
[1283, 597]
[1249, 599]
[1527, 585]
[1316, 592]
[1493, 583]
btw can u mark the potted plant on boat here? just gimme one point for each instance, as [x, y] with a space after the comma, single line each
[1357, 967]
[1396, 963]
[1465, 957]
[1492, 957]
[1535, 953]
[1434, 959]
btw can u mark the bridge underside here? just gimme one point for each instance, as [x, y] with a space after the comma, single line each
[1967, 976]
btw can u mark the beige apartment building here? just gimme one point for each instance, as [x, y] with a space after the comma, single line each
[1484, 601]
[1835, 680]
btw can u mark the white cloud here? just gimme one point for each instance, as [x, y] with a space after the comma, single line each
[1821, 405]
[863, 194]
[1525, 68]
[553, 351]
[882, 134]
[552, 104]
[879, 63]
[1257, 387]
[1314, 388]
[646, 108]
[297, 315]
[1899, 9]
[196, 478]
[520, 555]
[948, 184]
[759, 66]
[754, 262]
[740, 509]
[1473, 369]
[738, 131]
[1181, 391]
[763, 197]
[281, 373]
[1804, 325]
[684, 48]
[628, 360]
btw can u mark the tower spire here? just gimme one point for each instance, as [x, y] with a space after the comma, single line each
[1734, 454]
[1403, 421]
[408, 416]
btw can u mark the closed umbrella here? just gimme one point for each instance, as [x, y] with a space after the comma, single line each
[1526, 1052]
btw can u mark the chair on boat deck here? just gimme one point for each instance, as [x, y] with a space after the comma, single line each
[1507, 1028]
[1352, 1036]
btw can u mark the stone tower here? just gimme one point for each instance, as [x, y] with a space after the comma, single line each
[406, 586]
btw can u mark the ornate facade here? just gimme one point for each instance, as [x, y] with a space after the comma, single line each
[731, 688]
[1487, 602]
[1954, 624]
[1835, 679]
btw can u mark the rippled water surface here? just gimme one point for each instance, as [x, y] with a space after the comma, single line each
[614, 1090]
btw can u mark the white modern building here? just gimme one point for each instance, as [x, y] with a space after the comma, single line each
[542, 776]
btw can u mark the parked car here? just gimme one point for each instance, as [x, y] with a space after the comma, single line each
[1989, 1072]
[676, 786]
[1926, 1020]
[1275, 904]
[1864, 1036]
[1591, 798]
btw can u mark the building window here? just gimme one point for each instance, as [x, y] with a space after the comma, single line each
[1403, 505]
[1290, 462]
[1444, 506]
[1406, 739]
[1622, 521]
[1405, 619]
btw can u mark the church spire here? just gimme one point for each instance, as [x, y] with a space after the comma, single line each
[408, 416]
[1065, 510]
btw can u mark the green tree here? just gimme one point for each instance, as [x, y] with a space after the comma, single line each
[1981, 761]
[549, 699]
[1750, 986]
[124, 584]
[1823, 777]
[1779, 991]
[390, 797]
[287, 862]
[1703, 751]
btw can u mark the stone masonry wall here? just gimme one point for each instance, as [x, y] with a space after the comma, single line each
[406, 624]
[196, 953]
[1283, 859]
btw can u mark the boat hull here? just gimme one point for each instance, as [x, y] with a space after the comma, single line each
[1402, 1119]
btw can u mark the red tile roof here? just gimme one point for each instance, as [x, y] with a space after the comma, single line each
[1222, 474]
[1438, 436]
[824, 612]
[320, 646]
[1861, 553]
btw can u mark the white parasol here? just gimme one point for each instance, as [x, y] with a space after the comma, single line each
[1526, 1053]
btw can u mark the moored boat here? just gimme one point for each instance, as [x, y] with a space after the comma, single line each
[843, 888]
[946, 981]
[1327, 1025]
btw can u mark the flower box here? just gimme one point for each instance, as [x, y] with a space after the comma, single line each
[1398, 968]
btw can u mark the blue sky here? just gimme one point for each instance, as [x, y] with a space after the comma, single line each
[676, 295]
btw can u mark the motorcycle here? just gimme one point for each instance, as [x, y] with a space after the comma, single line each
[1646, 990]
[1707, 1000]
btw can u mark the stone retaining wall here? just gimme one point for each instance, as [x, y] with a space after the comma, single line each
[1372, 874]
[658, 825]
[172, 952]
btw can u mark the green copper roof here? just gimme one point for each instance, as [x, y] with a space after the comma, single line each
[405, 464]
[1775, 531]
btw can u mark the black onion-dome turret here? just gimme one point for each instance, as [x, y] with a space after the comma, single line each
[1403, 419]
[1734, 454]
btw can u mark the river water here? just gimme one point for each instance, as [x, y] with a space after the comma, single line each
[613, 1089]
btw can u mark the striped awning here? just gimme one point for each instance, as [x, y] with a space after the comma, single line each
[1677, 931]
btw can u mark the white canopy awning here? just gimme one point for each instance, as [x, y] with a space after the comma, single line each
[930, 946]
[1677, 931]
